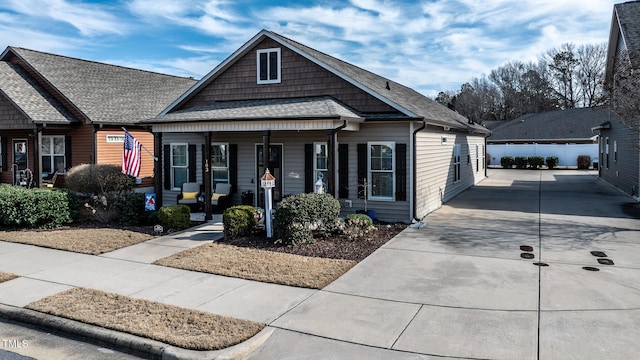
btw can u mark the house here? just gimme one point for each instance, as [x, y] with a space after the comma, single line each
[562, 133]
[307, 117]
[620, 137]
[57, 112]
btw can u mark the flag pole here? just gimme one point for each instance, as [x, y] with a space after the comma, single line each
[155, 158]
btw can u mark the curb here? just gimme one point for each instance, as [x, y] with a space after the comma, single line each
[127, 342]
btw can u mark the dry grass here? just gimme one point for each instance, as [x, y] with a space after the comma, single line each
[87, 241]
[6, 276]
[260, 265]
[185, 328]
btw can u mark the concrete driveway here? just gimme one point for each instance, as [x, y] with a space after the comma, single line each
[466, 286]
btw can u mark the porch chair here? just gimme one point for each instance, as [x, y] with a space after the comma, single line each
[49, 181]
[189, 196]
[220, 199]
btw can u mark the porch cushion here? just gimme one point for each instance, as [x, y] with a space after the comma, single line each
[189, 195]
[217, 196]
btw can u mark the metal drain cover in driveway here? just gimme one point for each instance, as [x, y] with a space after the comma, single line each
[598, 254]
[526, 255]
[605, 261]
[526, 248]
[591, 268]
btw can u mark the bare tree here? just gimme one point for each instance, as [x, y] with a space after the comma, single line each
[590, 74]
[562, 63]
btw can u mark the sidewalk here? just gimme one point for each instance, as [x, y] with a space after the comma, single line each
[458, 287]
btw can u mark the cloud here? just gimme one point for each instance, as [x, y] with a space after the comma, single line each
[88, 19]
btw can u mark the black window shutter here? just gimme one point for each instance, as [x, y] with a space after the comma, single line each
[308, 168]
[167, 167]
[401, 172]
[362, 169]
[3, 153]
[233, 167]
[67, 152]
[192, 163]
[343, 171]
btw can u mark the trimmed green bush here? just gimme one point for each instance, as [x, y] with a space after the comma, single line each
[239, 221]
[129, 208]
[33, 208]
[300, 215]
[552, 162]
[584, 161]
[506, 162]
[521, 162]
[535, 161]
[175, 217]
[356, 226]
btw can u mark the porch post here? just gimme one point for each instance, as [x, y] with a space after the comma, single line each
[266, 138]
[37, 163]
[331, 149]
[207, 175]
[157, 168]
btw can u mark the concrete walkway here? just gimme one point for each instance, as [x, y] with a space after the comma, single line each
[459, 287]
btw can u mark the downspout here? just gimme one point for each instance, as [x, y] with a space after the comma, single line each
[332, 163]
[414, 176]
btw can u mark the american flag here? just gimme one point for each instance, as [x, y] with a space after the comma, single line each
[131, 155]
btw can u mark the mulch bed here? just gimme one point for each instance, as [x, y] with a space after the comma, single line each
[333, 247]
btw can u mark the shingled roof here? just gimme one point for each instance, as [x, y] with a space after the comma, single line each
[102, 93]
[31, 98]
[571, 125]
[407, 101]
[625, 30]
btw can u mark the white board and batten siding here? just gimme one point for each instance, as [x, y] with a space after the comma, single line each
[435, 174]
[567, 153]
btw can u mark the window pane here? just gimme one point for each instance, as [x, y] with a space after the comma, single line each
[219, 155]
[46, 146]
[263, 66]
[220, 175]
[179, 155]
[46, 165]
[382, 184]
[273, 65]
[58, 146]
[179, 177]
[59, 163]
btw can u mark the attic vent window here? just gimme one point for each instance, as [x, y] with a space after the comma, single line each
[268, 65]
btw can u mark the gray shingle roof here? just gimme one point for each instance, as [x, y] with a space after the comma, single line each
[560, 125]
[106, 93]
[297, 108]
[30, 97]
[399, 94]
[629, 19]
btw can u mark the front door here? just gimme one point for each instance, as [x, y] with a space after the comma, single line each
[275, 167]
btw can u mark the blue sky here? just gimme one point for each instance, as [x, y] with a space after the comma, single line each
[430, 45]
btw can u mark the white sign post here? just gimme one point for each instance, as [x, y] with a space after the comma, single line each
[268, 182]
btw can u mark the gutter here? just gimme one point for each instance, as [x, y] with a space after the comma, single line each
[414, 176]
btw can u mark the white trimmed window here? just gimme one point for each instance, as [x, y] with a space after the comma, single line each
[219, 163]
[382, 161]
[606, 149]
[456, 162]
[268, 64]
[320, 168]
[179, 165]
[52, 154]
[615, 150]
[483, 156]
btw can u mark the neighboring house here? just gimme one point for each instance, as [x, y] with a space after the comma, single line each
[57, 112]
[620, 141]
[562, 133]
[319, 118]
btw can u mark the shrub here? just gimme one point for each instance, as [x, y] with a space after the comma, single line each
[43, 208]
[506, 162]
[552, 162]
[129, 209]
[298, 216]
[356, 226]
[521, 162]
[239, 221]
[174, 218]
[72, 200]
[535, 161]
[584, 161]
[98, 179]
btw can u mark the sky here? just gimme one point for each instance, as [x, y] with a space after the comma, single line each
[428, 45]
